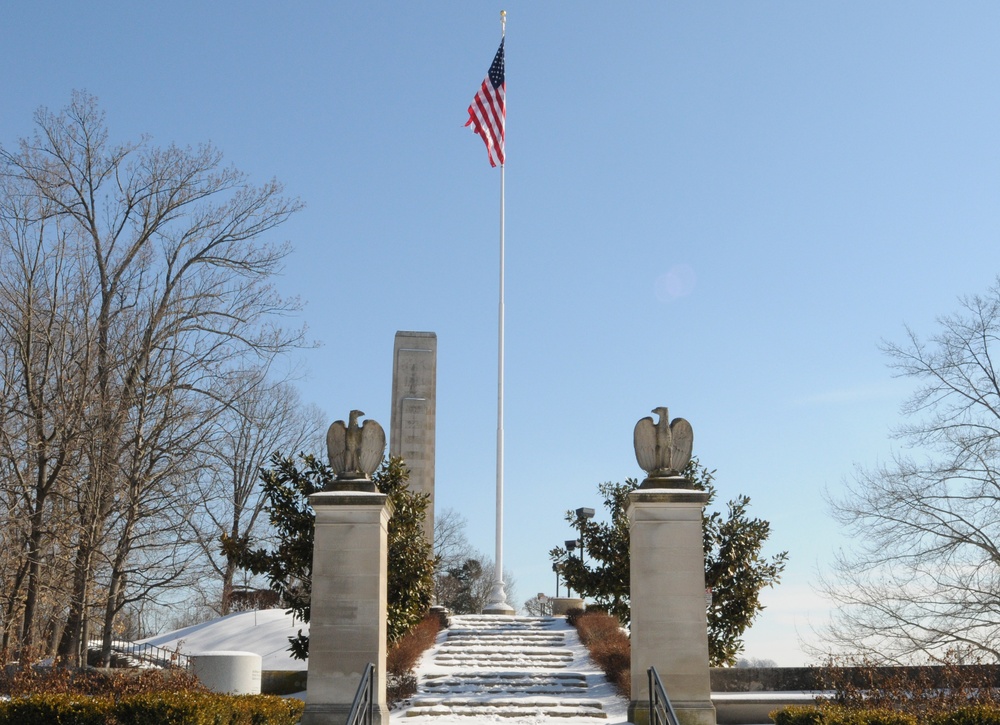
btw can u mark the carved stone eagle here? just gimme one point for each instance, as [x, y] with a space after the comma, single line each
[662, 450]
[355, 451]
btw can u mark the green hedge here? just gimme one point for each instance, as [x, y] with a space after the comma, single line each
[180, 708]
[832, 715]
[56, 710]
[972, 715]
[807, 715]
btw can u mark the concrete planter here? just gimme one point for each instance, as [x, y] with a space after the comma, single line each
[561, 605]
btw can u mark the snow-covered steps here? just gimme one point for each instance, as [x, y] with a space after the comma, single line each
[503, 642]
[512, 709]
[510, 669]
[523, 683]
[503, 657]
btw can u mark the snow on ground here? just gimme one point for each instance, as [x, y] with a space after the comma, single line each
[264, 632]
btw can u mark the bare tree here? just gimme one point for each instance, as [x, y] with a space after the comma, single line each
[464, 577]
[146, 549]
[155, 289]
[458, 563]
[539, 605]
[924, 576]
[262, 417]
[43, 374]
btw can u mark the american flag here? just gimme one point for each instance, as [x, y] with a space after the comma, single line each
[488, 110]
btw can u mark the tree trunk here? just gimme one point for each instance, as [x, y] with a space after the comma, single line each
[110, 612]
[72, 636]
[10, 608]
[31, 592]
[116, 591]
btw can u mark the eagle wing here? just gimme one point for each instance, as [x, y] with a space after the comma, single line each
[681, 442]
[336, 446]
[372, 446]
[644, 438]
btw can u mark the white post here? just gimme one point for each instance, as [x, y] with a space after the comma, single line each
[498, 598]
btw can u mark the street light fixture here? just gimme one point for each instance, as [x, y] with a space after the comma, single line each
[559, 566]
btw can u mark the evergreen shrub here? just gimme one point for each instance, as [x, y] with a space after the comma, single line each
[573, 614]
[830, 714]
[62, 709]
[799, 715]
[177, 708]
[971, 715]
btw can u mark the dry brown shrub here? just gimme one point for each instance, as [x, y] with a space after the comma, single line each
[19, 681]
[614, 656]
[609, 646]
[596, 626]
[404, 655]
[923, 690]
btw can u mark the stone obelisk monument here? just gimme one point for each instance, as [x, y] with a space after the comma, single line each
[669, 624]
[411, 429]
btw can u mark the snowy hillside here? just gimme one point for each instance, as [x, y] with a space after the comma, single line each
[264, 632]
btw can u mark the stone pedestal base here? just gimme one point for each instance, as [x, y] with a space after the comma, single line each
[688, 713]
[338, 714]
[347, 627]
[669, 629]
[503, 609]
[498, 602]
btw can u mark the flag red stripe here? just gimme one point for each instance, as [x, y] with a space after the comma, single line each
[491, 120]
[488, 111]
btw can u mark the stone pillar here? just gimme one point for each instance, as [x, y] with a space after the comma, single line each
[347, 628]
[411, 428]
[669, 623]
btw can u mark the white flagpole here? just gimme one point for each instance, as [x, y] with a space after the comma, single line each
[498, 598]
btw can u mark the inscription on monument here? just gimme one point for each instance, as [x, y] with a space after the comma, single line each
[414, 389]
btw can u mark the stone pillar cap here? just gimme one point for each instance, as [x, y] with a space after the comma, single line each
[672, 481]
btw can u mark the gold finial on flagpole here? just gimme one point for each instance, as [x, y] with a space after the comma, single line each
[503, 22]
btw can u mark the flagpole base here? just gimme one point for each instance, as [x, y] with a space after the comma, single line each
[498, 602]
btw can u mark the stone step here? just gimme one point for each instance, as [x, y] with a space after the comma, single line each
[504, 659]
[506, 708]
[498, 635]
[519, 683]
[480, 623]
[499, 645]
[504, 642]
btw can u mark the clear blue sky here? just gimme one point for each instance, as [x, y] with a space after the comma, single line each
[810, 175]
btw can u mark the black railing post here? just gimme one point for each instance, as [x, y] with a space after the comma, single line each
[661, 711]
[364, 698]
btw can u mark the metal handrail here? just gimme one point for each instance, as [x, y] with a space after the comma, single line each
[150, 654]
[661, 712]
[364, 699]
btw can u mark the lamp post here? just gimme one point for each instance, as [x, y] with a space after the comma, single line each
[570, 546]
[556, 568]
[581, 515]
